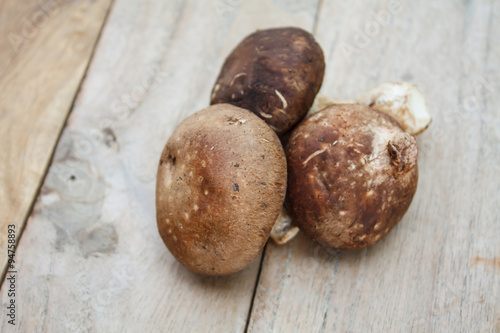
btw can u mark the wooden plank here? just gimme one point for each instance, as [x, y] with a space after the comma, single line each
[438, 271]
[90, 258]
[45, 49]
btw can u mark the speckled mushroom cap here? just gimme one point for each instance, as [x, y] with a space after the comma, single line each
[220, 187]
[275, 73]
[352, 175]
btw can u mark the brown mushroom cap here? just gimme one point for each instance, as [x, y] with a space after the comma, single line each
[274, 73]
[352, 175]
[220, 187]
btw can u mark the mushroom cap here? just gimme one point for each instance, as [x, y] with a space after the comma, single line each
[352, 175]
[274, 73]
[220, 187]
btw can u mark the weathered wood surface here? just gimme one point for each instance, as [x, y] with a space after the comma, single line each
[90, 258]
[45, 47]
[439, 270]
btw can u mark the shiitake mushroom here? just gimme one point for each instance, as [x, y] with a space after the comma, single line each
[220, 187]
[352, 174]
[274, 73]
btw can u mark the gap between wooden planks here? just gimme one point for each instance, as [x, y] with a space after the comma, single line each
[46, 47]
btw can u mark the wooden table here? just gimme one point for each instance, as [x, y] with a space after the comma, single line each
[90, 91]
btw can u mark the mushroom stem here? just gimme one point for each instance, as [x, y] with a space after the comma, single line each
[403, 101]
[283, 230]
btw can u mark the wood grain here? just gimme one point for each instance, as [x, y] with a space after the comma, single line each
[90, 258]
[45, 49]
[438, 270]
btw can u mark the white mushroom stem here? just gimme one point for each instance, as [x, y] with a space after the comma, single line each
[283, 230]
[403, 101]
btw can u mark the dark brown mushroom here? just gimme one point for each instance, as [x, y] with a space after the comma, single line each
[274, 73]
[352, 175]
